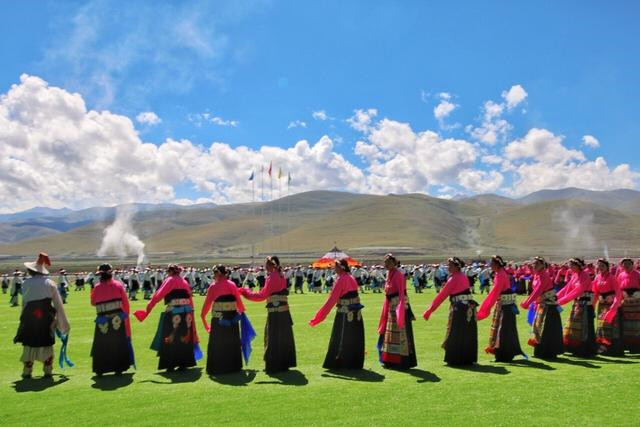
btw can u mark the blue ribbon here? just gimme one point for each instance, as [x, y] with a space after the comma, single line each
[380, 341]
[63, 350]
[247, 335]
[559, 308]
[197, 353]
[515, 310]
[531, 315]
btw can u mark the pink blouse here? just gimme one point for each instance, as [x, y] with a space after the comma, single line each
[110, 290]
[170, 283]
[275, 283]
[501, 284]
[216, 290]
[628, 280]
[605, 283]
[457, 283]
[346, 283]
[541, 283]
[395, 284]
[579, 284]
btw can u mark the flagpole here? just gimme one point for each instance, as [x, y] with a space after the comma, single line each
[253, 204]
[279, 211]
[288, 211]
[264, 228]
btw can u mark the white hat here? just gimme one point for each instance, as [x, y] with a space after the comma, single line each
[39, 265]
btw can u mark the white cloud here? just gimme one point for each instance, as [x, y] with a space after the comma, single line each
[148, 118]
[493, 129]
[492, 159]
[200, 118]
[320, 115]
[361, 119]
[543, 146]
[54, 152]
[590, 141]
[296, 124]
[514, 96]
[443, 109]
[222, 122]
[481, 181]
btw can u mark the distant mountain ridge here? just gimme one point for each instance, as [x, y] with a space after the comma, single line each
[571, 221]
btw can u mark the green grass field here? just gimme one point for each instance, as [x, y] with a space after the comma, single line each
[567, 392]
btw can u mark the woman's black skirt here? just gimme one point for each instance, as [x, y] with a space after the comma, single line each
[35, 324]
[111, 350]
[549, 324]
[503, 340]
[579, 332]
[175, 341]
[461, 345]
[346, 345]
[224, 354]
[279, 345]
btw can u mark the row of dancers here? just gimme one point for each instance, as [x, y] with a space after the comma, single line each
[615, 292]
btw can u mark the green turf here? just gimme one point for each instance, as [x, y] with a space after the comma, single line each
[569, 392]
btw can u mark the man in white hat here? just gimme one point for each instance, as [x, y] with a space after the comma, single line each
[42, 313]
[16, 288]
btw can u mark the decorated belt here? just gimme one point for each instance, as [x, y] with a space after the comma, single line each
[465, 298]
[179, 301]
[508, 299]
[349, 308]
[276, 300]
[395, 300]
[225, 306]
[108, 306]
[278, 309]
[586, 297]
[606, 299]
[349, 301]
[631, 293]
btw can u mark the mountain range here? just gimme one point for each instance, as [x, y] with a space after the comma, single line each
[554, 223]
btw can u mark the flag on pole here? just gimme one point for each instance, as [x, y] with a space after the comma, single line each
[279, 173]
[251, 177]
[270, 166]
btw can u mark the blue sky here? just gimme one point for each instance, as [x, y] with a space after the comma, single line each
[263, 68]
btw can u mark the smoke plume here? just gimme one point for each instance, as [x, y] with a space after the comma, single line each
[120, 239]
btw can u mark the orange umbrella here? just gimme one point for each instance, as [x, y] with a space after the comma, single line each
[329, 259]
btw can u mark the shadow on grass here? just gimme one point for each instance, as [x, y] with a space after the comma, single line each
[112, 382]
[241, 378]
[533, 364]
[294, 378]
[614, 360]
[583, 363]
[423, 376]
[39, 384]
[363, 375]
[177, 377]
[484, 369]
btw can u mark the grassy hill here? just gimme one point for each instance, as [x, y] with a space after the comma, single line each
[414, 224]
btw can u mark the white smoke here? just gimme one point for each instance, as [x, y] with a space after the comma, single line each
[119, 238]
[578, 230]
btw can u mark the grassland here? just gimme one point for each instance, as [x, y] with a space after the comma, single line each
[567, 392]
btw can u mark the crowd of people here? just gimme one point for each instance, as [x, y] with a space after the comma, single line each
[599, 292]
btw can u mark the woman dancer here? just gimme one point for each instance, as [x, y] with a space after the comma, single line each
[609, 296]
[579, 332]
[346, 345]
[546, 326]
[279, 345]
[230, 332]
[629, 283]
[111, 350]
[461, 341]
[503, 336]
[395, 344]
[176, 340]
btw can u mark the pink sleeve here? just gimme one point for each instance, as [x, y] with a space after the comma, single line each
[382, 324]
[160, 294]
[261, 295]
[126, 309]
[208, 301]
[401, 285]
[617, 302]
[490, 300]
[564, 290]
[237, 295]
[575, 292]
[442, 295]
[331, 301]
[537, 291]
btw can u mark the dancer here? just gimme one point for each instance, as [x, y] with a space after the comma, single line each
[230, 332]
[609, 296]
[461, 342]
[396, 344]
[279, 344]
[629, 282]
[42, 313]
[546, 325]
[176, 339]
[111, 350]
[579, 332]
[16, 288]
[503, 336]
[346, 345]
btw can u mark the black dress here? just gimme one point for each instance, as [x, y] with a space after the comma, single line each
[346, 345]
[175, 338]
[503, 339]
[35, 324]
[224, 350]
[279, 345]
[461, 342]
[111, 350]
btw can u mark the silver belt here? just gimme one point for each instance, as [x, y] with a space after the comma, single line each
[108, 306]
[465, 299]
[179, 301]
[225, 306]
[508, 299]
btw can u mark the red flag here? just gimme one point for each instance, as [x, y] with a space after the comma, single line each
[270, 169]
